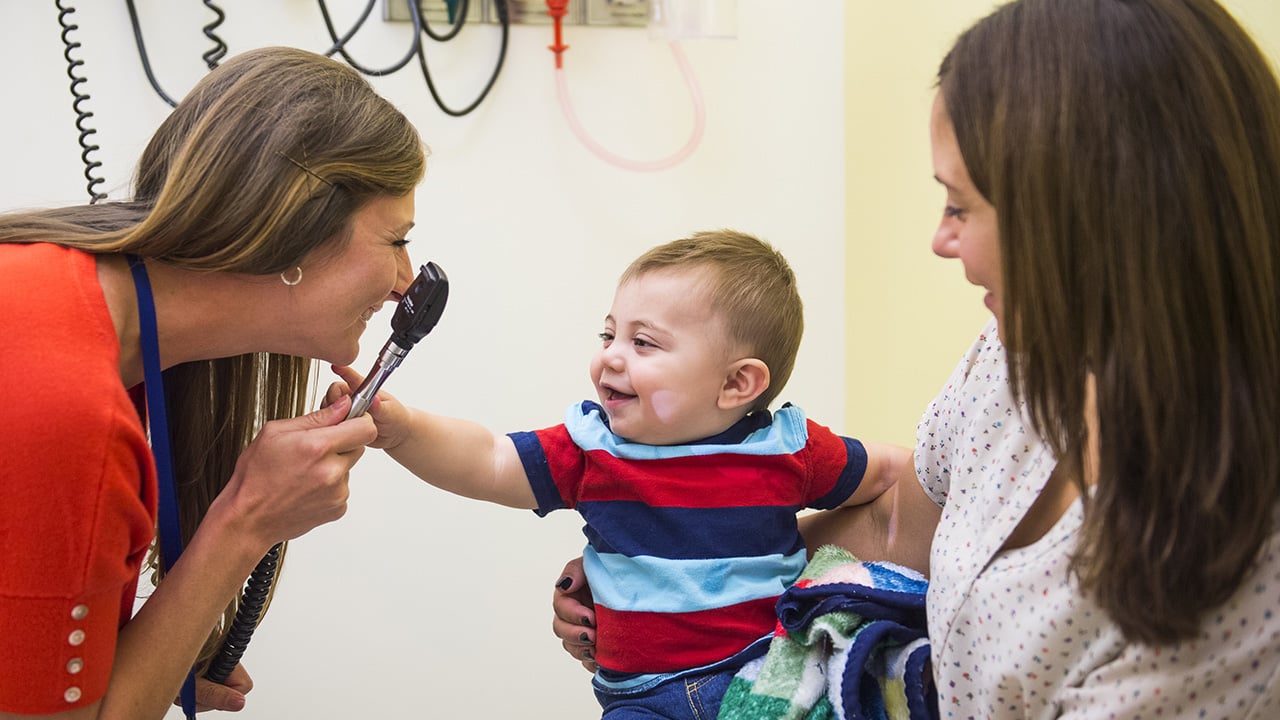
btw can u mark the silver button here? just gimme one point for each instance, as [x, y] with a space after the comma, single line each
[76, 637]
[72, 694]
[75, 665]
[79, 612]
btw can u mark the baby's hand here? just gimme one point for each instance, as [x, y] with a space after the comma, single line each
[389, 415]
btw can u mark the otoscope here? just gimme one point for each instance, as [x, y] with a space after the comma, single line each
[416, 314]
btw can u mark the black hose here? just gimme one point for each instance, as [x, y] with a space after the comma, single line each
[219, 49]
[82, 115]
[142, 54]
[256, 590]
[339, 44]
[505, 21]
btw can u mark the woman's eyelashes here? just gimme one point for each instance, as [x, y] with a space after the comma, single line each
[952, 211]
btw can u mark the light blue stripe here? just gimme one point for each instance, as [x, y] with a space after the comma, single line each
[651, 584]
[786, 435]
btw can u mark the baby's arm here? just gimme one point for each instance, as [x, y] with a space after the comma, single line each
[887, 465]
[460, 456]
[896, 523]
[464, 458]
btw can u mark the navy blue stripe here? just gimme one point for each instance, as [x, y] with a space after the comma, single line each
[850, 478]
[690, 533]
[538, 471]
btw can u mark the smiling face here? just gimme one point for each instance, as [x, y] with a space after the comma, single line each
[968, 230]
[664, 360]
[341, 291]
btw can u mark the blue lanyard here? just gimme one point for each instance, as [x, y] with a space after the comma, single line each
[158, 423]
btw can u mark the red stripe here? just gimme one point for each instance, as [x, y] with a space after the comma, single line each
[705, 481]
[713, 481]
[643, 642]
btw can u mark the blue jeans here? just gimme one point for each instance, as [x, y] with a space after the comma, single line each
[689, 697]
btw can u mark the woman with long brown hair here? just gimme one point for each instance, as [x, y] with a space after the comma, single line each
[268, 225]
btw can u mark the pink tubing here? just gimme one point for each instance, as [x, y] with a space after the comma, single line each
[699, 123]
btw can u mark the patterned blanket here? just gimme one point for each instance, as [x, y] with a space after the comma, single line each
[850, 643]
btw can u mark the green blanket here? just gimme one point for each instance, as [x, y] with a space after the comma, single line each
[851, 643]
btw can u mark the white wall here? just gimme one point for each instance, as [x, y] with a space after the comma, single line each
[419, 604]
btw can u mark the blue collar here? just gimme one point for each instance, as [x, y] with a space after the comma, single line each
[734, 435]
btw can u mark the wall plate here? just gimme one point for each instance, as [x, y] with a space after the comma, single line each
[629, 13]
[433, 11]
[525, 12]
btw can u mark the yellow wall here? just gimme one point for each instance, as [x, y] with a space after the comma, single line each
[910, 313]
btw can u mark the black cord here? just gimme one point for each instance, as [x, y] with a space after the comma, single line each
[459, 20]
[339, 45]
[219, 49]
[505, 21]
[142, 54]
[421, 27]
[248, 614]
[82, 115]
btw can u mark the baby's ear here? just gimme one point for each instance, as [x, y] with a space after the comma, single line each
[745, 381]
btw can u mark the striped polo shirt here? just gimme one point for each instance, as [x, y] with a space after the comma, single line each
[688, 546]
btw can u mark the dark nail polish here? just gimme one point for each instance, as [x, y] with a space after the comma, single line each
[589, 654]
[585, 621]
[564, 583]
[584, 637]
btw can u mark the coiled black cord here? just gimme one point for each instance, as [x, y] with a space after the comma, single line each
[256, 590]
[82, 115]
[219, 49]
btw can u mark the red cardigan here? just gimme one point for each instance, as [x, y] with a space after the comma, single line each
[77, 483]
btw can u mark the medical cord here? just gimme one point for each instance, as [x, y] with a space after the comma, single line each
[77, 104]
[459, 19]
[257, 589]
[142, 54]
[339, 45]
[219, 49]
[504, 20]
[556, 9]
[421, 27]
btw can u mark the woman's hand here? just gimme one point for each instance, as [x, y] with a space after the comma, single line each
[575, 615]
[227, 696]
[293, 476]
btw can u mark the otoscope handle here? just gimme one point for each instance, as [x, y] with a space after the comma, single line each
[388, 360]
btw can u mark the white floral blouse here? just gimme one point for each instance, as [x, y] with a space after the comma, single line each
[1011, 635]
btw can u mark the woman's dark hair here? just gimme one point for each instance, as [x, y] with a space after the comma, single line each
[1131, 149]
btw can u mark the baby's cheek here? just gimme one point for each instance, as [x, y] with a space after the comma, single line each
[665, 404]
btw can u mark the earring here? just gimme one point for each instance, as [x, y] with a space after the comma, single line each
[297, 279]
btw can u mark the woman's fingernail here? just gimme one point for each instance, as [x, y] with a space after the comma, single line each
[589, 654]
[584, 637]
[565, 582]
[585, 621]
